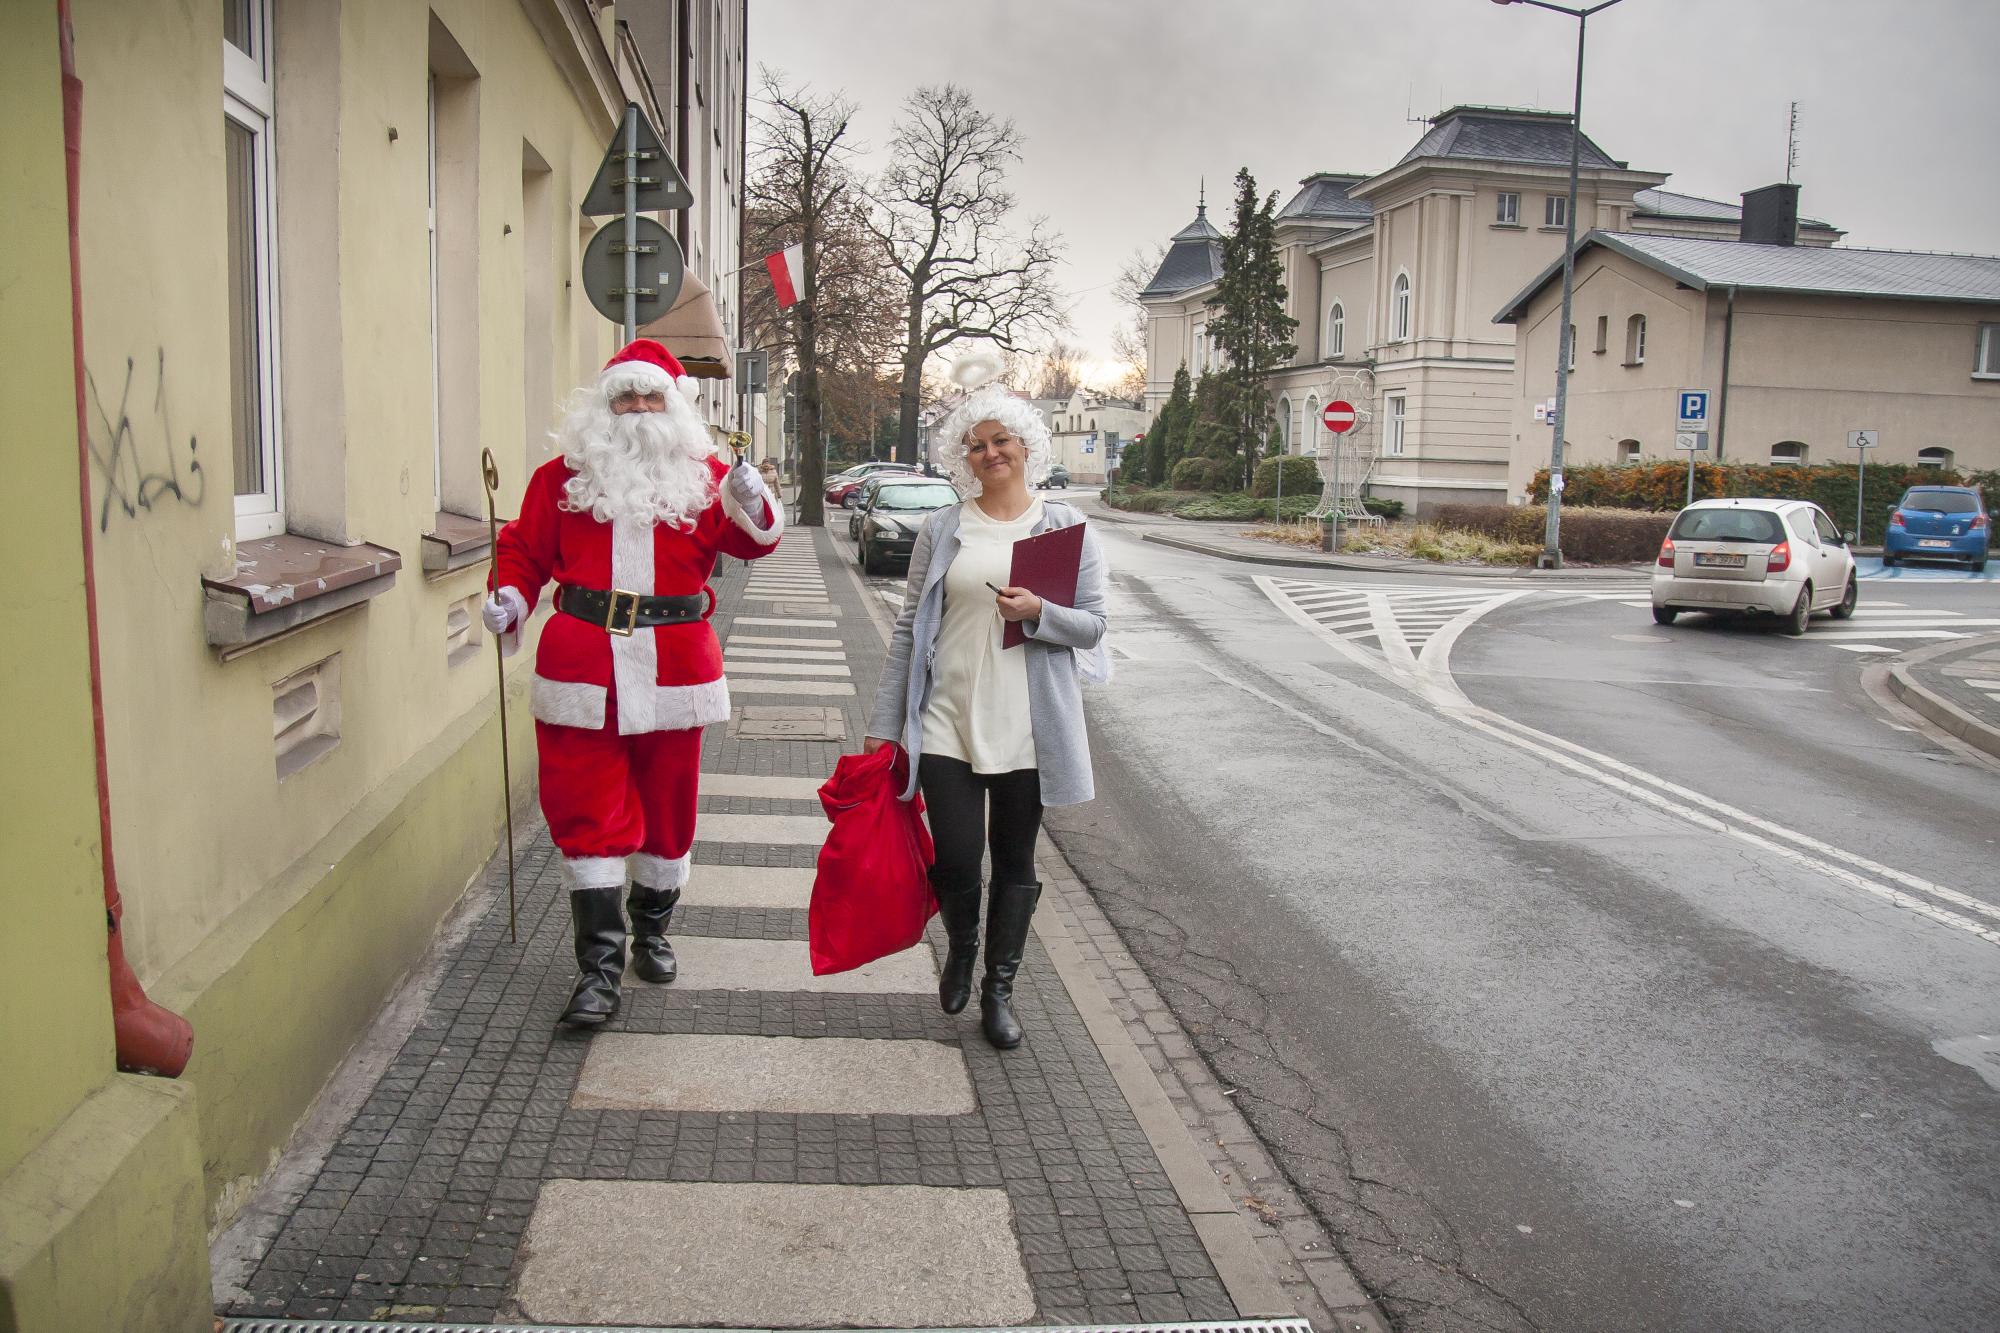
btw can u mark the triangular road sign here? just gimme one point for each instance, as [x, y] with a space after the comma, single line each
[661, 185]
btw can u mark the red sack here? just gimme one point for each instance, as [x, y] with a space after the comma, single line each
[872, 896]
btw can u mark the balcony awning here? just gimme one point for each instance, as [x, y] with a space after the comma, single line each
[692, 331]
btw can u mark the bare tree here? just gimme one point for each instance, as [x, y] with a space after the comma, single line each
[801, 192]
[941, 217]
[1058, 370]
[1128, 336]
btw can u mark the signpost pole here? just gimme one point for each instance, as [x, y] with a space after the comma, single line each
[631, 221]
[1860, 493]
[1690, 498]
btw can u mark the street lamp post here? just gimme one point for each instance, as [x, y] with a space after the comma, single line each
[1551, 557]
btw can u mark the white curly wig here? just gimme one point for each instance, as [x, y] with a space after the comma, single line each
[992, 403]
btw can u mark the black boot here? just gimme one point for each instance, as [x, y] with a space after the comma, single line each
[958, 904]
[652, 911]
[600, 955]
[1009, 910]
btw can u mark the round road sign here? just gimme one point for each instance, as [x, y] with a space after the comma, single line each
[1338, 416]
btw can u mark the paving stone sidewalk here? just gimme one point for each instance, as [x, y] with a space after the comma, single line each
[752, 1146]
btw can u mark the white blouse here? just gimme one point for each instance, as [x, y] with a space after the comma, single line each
[978, 709]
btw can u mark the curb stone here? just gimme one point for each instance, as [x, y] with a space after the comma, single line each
[1937, 709]
[1419, 568]
[1275, 1260]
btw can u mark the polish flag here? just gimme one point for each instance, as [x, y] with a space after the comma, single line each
[788, 274]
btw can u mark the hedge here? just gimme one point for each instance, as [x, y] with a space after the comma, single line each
[1662, 487]
[1232, 506]
[1301, 475]
[1594, 536]
[1207, 474]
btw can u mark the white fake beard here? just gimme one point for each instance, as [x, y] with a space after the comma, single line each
[642, 466]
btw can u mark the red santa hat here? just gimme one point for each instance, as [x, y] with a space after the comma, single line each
[647, 366]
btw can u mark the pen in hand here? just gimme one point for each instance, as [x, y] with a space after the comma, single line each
[996, 591]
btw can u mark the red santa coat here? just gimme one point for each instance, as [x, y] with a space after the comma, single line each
[668, 677]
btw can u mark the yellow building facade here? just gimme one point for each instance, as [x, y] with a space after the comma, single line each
[328, 253]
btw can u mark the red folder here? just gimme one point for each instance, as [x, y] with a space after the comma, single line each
[1046, 566]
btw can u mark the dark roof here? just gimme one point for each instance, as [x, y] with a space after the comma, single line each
[1322, 197]
[1194, 259]
[1814, 270]
[1667, 204]
[1499, 134]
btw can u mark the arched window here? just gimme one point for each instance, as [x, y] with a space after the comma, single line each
[1628, 451]
[1284, 425]
[1635, 341]
[1788, 453]
[1093, 423]
[1336, 331]
[1399, 308]
[1200, 352]
[1310, 430]
[1934, 457]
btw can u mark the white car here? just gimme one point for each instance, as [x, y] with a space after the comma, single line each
[1754, 557]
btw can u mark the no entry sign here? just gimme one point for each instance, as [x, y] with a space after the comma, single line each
[1338, 416]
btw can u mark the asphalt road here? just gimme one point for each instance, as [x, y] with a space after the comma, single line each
[1583, 974]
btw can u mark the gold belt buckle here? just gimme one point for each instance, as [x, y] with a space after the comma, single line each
[631, 615]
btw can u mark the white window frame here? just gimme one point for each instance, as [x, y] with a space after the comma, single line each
[1507, 209]
[1555, 210]
[1572, 347]
[1986, 353]
[1336, 331]
[1801, 460]
[1395, 439]
[1635, 341]
[1308, 437]
[1400, 301]
[1637, 452]
[1936, 456]
[247, 102]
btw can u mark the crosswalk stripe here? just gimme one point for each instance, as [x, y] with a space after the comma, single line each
[784, 654]
[784, 668]
[785, 622]
[779, 641]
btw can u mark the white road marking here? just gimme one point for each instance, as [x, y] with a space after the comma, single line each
[785, 622]
[1865, 648]
[785, 654]
[1431, 680]
[779, 641]
[1878, 632]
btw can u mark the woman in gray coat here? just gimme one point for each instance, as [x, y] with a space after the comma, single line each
[994, 734]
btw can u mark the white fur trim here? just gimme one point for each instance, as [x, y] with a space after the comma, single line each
[680, 707]
[659, 872]
[567, 703]
[594, 872]
[741, 518]
[635, 658]
[690, 388]
[634, 376]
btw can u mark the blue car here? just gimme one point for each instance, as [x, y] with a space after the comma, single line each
[1939, 523]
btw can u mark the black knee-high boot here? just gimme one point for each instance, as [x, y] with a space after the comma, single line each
[958, 904]
[1008, 913]
[652, 912]
[600, 955]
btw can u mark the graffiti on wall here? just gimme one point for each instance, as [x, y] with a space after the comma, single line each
[139, 464]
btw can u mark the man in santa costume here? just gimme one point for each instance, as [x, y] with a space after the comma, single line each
[627, 524]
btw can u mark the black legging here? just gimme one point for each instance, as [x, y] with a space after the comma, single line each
[958, 801]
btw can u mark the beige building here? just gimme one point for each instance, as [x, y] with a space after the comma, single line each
[1796, 347]
[326, 254]
[1392, 277]
[1086, 427]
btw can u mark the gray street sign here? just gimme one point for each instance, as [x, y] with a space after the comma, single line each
[1694, 440]
[661, 185]
[751, 369]
[660, 270]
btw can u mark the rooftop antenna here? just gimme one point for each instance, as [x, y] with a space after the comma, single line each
[1201, 200]
[1792, 146]
[1410, 106]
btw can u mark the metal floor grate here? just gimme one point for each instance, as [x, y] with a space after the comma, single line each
[407, 1325]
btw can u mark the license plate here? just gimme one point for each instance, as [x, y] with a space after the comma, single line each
[1718, 560]
[1933, 542]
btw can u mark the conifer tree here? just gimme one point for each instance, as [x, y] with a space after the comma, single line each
[1249, 326]
[1174, 422]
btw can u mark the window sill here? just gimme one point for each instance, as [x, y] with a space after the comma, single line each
[455, 541]
[1986, 375]
[1507, 226]
[1631, 365]
[282, 583]
[1553, 226]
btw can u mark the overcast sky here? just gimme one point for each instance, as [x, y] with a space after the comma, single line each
[1126, 104]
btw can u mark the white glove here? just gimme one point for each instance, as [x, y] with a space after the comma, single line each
[745, 486]
[503, 610]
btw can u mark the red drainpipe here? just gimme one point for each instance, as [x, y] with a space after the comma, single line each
[151, 1040]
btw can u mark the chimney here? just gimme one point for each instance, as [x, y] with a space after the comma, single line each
[1771, 215]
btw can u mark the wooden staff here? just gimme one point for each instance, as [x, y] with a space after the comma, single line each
[490, 473]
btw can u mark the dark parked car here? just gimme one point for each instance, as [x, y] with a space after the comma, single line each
[840, 490]
[1939, 523]
[895, 511]
[1058, 476]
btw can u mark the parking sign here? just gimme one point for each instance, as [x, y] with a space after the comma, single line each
[1694, 407]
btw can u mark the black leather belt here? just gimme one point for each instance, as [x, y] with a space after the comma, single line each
[622, 612]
